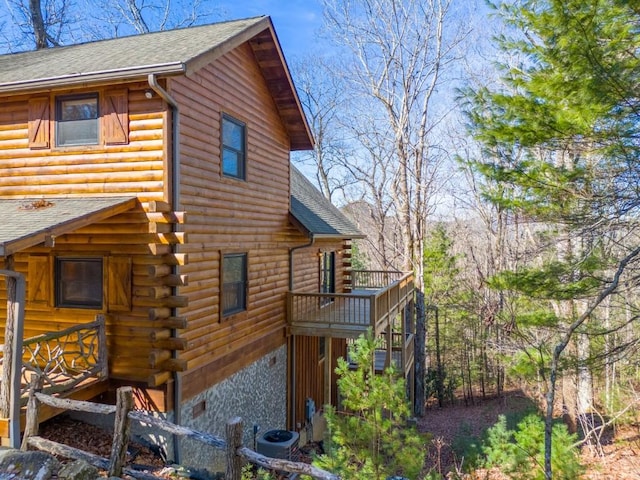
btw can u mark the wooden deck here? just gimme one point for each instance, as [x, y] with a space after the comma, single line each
[348, 315]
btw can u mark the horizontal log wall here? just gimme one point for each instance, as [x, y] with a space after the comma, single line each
[306, 263]
[138, 342]
[228, 216]
[135, 341]
[135, 168]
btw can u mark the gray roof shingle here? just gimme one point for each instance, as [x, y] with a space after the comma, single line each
[166, 52]
[27, 222]
[316, 214]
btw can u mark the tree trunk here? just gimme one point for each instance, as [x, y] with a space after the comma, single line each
[37, 23]
[419, 355]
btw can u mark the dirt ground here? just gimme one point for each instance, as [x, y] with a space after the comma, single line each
[453, 425]
[450, 427]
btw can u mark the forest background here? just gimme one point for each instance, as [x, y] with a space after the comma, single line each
[492, 150]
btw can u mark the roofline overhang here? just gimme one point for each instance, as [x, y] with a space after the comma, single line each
[311, 140]
[331, 236]
[322, 236]
[164, 69]
[41, 236]
[196, 63]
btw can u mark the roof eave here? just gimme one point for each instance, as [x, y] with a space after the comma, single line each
[13, 246]
[300, 137]
[196, 63]
[299, 225]
[175, 68]
[341, 236]
[322, 236]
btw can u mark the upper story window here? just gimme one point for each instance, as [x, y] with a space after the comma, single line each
[86, 119]
[78, 282]
[233, 147]
[77, 120]
[234, 283]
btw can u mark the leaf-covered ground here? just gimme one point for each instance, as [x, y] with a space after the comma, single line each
[453, 428]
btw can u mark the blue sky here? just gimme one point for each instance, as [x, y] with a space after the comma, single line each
[296, 21]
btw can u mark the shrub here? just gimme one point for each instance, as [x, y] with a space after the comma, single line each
[371, 439]
[520, 453]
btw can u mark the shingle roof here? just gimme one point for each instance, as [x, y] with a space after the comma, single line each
[316, 214]
[29, 221]
[165, 52]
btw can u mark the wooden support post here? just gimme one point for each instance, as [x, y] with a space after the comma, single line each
[388, 361]
[5, 383]
[327, 370]
[102, 346]
[31, 427]
[122, 426]
[234, 442]
[12, 362]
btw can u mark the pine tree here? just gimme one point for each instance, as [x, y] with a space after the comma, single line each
[562, 133]
[371, 438]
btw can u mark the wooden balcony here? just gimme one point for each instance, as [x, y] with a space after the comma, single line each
[376, 302]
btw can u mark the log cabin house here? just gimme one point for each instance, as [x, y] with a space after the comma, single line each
[156, 234]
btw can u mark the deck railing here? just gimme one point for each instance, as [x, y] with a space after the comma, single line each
[347, 315]
[374, 279]
[65, 358]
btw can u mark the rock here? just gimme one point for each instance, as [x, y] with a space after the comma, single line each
[78, 470]
[15, 464]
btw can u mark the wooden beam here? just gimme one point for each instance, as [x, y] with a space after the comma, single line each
[327, 371]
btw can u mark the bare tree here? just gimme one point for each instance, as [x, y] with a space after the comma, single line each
[398, 53]
[116, 18]
[29, 24]
[322, 96]
[37, 23]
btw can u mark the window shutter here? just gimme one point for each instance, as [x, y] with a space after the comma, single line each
[116, 117]
[39, 122]
[119, 284]
[39, 279]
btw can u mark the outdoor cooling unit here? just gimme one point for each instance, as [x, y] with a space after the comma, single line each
[279, 444]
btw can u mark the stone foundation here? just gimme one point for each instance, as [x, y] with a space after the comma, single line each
[257, 394]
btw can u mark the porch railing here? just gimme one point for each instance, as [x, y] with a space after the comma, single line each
[347, 315]
[374, 279]
[65, 358]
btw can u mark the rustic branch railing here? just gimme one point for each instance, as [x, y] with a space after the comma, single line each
[115, 466]
[65, 358]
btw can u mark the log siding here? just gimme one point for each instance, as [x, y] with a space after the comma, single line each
[129, 161]
[232, 215]
[157, 322]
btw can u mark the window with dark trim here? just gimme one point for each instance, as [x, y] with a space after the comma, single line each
[234, 283]
[77, 120]
[78, 282]
[233, 147]
[327, 275]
